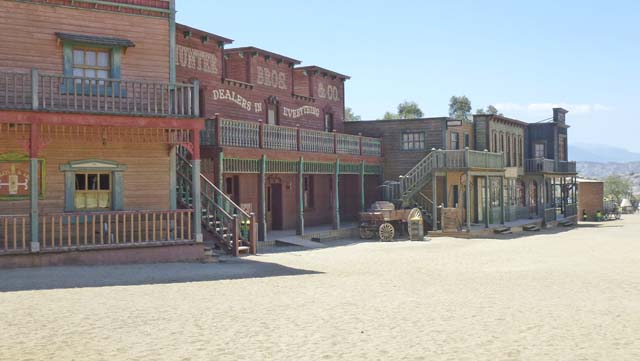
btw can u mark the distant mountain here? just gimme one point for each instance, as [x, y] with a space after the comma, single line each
[598, 170]
[601, 153]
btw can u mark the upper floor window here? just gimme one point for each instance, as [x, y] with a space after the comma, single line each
[92, 191]
[328, 122]
[467, 140]
[538, 150]
[413, 141]
[455, 140]
[91, 63]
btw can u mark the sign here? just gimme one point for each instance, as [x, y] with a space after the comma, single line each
[328, 92]
[232, 96]
[297, 113]
[15, 177]
[196, 60]
[272, 78]
[454, 123]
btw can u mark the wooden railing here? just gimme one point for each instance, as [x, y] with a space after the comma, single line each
[540, 165]
[94, 229]
[234, 133]
[54, 92]
[571, 210]
[234, 227]
[14, 233]
[550, 214]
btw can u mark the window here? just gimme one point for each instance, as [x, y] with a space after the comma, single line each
[308, 196]
[454, 194]
[467, 141]
[328, 122]
[494, 146]
[562, 147]
[508, 150]
[413, 141]
[455, 140]
[91, 63]
[232, 188]
[538, 150]
[92, 191]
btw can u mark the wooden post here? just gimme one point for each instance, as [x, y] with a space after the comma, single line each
[260, 134]
[236, 235]
[362, 190]
[335, 142]
[35, 98]
[434, 208]
[486, 201]
[196, 188]
[34, 180]
[196, 98]
[253, 234]
[263, 199]
[468, 198]
[298, 138]
[173, 178]
[300, 223]
[502, 200]
[218, 130]
[336, 191]
[360, 142]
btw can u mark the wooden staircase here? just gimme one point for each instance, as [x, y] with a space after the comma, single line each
[234, 230]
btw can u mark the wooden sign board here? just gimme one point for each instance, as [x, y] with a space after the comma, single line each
[15, 177]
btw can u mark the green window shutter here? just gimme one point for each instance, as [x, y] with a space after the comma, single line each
[67, 51]
[69, 191]
[116, 63]
[117, 203]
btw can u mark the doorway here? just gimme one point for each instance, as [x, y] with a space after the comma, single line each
[275, 214]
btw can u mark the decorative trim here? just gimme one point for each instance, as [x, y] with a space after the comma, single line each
[93, 165]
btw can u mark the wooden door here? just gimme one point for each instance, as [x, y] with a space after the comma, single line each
[276, 207]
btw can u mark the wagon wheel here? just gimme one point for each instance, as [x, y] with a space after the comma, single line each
[366, 233]
[386, 232]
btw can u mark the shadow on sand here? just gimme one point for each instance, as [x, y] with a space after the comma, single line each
[51, 278]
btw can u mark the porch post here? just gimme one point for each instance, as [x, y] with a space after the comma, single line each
[173, 178]
[300, 224]
[434, 208]
[362, 193]
[33, 180]
[486, 202]
[195, 188]
[336, 191]
[502, 200]
[263, 199]
[468, 197]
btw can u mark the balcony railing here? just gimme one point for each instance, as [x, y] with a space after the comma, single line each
[54, 92]
[540, 165]
[14, 233]
[463, 159]
[234, 133]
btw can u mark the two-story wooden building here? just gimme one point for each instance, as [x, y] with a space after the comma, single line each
[273, 140]
[90, 117]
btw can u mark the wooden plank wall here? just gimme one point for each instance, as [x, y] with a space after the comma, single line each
[28, 40]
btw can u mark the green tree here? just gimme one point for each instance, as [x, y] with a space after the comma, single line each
[492, 110]
[409, 110]
[617, 188]
[349, 116]
[459, 107]
[480, 111]
[389, 116]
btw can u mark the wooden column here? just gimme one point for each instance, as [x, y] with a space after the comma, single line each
[33, 180]
[300, 223]
[362, 189]
[502, 200]
[173, 178]
[434, 209]
[486, 202]
[336, 191]
[263, 199]
[195, 188]
[468, 199]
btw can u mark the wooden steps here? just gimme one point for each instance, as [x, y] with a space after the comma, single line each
[531, 228]
[503, 230]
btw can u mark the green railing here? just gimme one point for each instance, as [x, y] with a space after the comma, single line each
[234, 228]
[244, 134]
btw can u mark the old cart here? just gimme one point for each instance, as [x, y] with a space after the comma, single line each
[384, 221]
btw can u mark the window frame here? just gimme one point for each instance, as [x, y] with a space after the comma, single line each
[94, 166]
[417, 145]
[97, 192]
[112, 86]
[454, 137]
[535, 150]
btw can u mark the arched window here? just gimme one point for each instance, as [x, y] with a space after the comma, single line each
[509, 150]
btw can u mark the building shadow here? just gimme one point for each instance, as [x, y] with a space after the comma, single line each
[52, 278]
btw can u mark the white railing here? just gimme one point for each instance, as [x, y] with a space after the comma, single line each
[14, 233]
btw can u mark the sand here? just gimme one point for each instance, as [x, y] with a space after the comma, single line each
[571, 295]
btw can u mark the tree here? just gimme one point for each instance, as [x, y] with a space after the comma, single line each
[480, 111]
[459, 107]
[409, 110]
[492, 110]
[349, 116]
[617, 188]
[389, 116]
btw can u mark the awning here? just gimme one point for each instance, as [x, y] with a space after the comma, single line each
[97, 40]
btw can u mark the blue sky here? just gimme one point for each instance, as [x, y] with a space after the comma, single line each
[521, 56]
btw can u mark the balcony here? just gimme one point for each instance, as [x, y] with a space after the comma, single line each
[467, 159]
[243, 134]
[540, 165]
[32, 90]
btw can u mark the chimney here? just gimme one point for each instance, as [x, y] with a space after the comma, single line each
[559, 115]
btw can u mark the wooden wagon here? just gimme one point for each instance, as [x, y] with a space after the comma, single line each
[384, 221]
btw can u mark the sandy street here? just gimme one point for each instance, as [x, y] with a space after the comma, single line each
[570, 295]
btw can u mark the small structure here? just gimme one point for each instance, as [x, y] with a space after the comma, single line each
[590, 198]
[385, 220]
[626, 206]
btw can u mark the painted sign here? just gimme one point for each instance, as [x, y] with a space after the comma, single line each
[196, 60]
[299, 112]
[272, 78]
[232, 96]
[15, 176]
[328, 92]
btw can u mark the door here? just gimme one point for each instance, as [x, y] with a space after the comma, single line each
[533, 199]
[480, 199]
[328, 122]
[275, 207]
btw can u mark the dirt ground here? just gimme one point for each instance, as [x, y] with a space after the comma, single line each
[557, 295]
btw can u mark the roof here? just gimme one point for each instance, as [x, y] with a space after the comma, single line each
[323, 70]
[585, 180]
[211, 35]
[97, 40]
[253, 49]
[398, 120]
[503, 118]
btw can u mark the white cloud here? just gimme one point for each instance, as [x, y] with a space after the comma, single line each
[545, 108]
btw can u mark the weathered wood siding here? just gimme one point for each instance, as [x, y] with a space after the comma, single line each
[397, 161]
[28, 40]
[146, 181]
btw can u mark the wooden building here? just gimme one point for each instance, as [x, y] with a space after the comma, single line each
[273, 140]
[90, 118]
